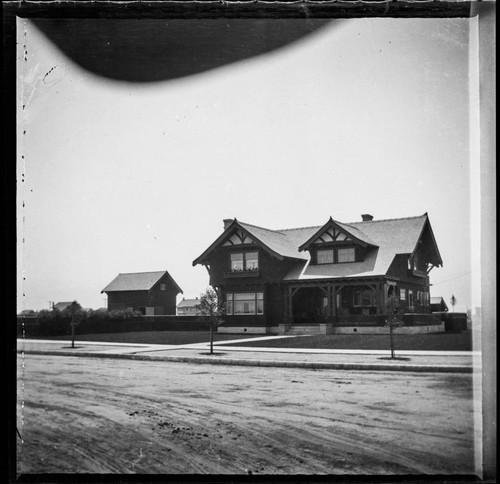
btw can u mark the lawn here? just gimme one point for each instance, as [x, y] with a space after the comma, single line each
[449, 341]
[151, 337]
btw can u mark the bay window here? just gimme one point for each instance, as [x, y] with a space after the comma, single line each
[245, 303]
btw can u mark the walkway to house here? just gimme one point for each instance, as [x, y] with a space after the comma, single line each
[224, 353]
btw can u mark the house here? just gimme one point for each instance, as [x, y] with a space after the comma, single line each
[61, 306]
[335, 274]
[151, 293]
[28, 313]
[189, 307]
[438, 305]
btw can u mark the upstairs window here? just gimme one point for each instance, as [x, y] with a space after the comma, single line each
[346, 255]
[325, 256]
[244, 261]
[336, 255]
[163, 287]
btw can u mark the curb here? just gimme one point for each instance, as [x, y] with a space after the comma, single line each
[266, 363]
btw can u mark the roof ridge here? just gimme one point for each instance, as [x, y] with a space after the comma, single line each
[261, 228]
[302, 228]
[142, 272]
[385, 219]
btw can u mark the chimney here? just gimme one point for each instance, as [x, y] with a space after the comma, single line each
[367, 217]
[227, 222]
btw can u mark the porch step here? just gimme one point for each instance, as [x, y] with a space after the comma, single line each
[303, 329]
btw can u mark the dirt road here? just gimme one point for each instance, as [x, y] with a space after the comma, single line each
[90, 415]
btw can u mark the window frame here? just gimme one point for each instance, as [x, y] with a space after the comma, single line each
[331, 251]
[257, 301]
[244, 260]
[346, 261]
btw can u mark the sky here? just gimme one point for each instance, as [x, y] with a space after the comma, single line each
[361, 116]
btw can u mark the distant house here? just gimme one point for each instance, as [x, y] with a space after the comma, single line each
[61, 306]
[28, 313]
[189, 307]
[336, 273]
[151, 293]
[438, 305]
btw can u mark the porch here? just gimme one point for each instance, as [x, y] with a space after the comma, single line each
[358, 301]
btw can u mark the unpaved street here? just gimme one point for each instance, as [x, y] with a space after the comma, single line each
[91, 415]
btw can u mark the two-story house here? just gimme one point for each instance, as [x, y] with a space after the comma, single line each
[150, 293]
[189, 307]
[336, 273]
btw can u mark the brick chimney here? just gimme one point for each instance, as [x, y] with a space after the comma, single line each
[367, 217]
[227, 222]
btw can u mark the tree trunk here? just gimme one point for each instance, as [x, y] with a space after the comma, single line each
[211, 337]
[72, 335]
[392, 341]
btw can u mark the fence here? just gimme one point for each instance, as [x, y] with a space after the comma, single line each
[34, 327]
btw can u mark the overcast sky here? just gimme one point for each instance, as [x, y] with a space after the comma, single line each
[362, 116]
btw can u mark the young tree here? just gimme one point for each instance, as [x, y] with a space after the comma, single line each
[75, 312]
[212, 305]
[394, 318]
[453, 301]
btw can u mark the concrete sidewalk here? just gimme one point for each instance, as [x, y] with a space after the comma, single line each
[224, 353]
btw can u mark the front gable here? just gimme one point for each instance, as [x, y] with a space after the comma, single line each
[333, 232]
[238, 237]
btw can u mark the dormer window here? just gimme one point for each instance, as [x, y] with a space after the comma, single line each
[325, 256]
[337, 255]
[244, 261]
[346, 255]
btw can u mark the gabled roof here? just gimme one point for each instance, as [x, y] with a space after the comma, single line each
[279, 243]
[350, 230]
[189, 303]
[138, 281]
[383, 239]
[61, 306]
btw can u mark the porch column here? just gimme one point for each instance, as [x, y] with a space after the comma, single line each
[333, 293]
[381, 297]
[290, 306]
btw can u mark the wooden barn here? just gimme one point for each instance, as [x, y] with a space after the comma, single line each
[331, 276]
[151, 293]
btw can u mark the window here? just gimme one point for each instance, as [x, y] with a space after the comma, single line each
[229, 304]
[325, 256]
[163, 287]
[244, 261]
[245, 303]
[251, 261]
[346, 255]
[402, 294]
[367, 297]
[237, 262]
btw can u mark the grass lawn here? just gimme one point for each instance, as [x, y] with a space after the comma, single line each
[151, 337]
[456, 341]
[450, 341]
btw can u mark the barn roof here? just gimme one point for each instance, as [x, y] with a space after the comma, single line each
[138, 281]
[384, 240]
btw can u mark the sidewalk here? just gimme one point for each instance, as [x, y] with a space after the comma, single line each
[224, 353]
